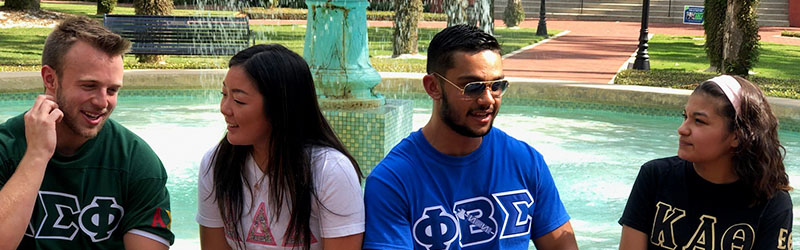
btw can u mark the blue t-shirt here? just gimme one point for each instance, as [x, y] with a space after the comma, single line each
[498, 197]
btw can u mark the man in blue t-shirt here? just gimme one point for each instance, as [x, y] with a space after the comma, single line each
[457, 183]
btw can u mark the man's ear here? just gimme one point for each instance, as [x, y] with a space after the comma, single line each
[50, 79]
[432, 87]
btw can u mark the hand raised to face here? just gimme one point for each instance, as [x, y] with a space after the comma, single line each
[40, 126]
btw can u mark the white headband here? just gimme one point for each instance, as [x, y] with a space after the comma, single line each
[732, 89]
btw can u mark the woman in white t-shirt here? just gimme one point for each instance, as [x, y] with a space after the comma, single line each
[280, 179]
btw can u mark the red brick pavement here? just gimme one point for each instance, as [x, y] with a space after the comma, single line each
[591, 52]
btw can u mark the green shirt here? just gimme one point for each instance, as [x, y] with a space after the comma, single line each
[115, 183]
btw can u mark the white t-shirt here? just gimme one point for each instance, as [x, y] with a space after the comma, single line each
[338, 212]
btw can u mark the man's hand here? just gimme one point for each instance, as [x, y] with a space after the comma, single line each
[40, 127]
[18, 195]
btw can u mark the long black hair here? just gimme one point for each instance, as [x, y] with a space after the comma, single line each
[758, 160]
[290, 106]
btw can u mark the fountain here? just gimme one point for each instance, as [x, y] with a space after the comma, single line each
[336, 51]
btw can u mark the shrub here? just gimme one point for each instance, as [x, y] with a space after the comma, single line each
[514, 14]
[790, 33]
[787, 88]
[105, 6]
[713, 24]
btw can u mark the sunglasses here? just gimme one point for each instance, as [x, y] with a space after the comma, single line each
[474, 90]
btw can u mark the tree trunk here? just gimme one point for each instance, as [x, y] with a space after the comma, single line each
[456, 11]
[406, 22]
[483, 9]
[152, 7]
[22, 4]
[741, 39]
[732, 39]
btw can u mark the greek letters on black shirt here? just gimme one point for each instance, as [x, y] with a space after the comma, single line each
[678, 209]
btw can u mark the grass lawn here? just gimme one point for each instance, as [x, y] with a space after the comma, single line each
[21, 48]
[91, 10]
[679, 62]
[687, 53]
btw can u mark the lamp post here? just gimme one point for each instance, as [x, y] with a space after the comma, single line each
[542, 29]
[642, 61]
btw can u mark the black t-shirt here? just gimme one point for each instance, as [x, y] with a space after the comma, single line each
[678, 209]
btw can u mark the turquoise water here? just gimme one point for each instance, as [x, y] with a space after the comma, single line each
[594, 155]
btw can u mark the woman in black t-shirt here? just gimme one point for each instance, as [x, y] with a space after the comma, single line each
[726, 189]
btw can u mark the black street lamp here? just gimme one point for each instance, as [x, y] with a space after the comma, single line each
[642, 58]
[542, 29]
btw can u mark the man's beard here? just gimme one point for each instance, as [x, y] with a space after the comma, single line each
[70, 120]
[448, 117]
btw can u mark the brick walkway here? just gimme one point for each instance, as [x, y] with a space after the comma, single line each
[591, 52]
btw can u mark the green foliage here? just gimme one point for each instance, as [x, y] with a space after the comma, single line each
[106, 6]
[715, 28]
[514, 14]
[21, 48]
[787, 88]
[91, 10]
[275, 13]
[685, 53]
[749, 46]
[790, 33]
[713, 24]
[300, 14]
[678, 62]
[269, 4]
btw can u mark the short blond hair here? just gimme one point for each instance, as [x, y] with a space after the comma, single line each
[84, 29]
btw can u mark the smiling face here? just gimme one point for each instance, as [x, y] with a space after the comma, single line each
[243, 108]
[470, 117]
[86, 90]
[705, 135]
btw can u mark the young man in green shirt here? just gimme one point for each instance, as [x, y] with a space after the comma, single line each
[70, 178]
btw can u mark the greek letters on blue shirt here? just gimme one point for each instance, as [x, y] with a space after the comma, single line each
[474, 221]
[498, 197]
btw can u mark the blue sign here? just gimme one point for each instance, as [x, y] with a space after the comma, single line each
[693, 14]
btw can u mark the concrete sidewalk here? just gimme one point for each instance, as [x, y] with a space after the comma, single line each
[592, 51]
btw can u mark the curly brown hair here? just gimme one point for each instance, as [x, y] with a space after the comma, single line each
[758, 160]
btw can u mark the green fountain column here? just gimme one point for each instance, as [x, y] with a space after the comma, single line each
[337, 52]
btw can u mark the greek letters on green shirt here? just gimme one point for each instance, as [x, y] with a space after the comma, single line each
[113, 185]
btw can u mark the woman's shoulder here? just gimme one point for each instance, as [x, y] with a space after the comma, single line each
[781, 200]
[326, 153]
[329, 160]
[209, 155]
[664, 166]
[665, 163]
